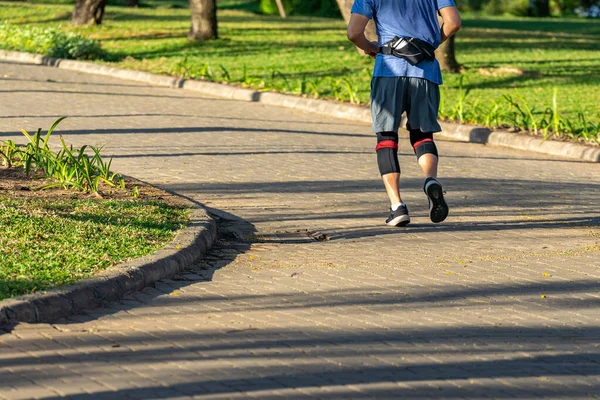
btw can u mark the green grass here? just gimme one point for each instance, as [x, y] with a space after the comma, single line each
[562, 53]
[311, 56]
[46, 243]
[51, 42]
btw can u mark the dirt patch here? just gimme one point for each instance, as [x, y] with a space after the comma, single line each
[14, 183]
[507, 71]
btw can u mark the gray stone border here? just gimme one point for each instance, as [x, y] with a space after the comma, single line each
[475, 134]
[465, 133]
[117, 281]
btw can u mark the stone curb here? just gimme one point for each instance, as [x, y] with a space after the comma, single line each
[115, 282]
[466, 133]
[475, 134]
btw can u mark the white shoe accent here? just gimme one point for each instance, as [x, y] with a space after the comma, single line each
[398, 220]
[431, 182]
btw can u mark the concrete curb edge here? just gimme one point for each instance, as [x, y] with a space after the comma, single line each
[465, 133]
[475, 134]
[114, 283]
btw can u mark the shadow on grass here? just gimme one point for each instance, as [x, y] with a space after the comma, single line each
[111, 220]
[542, 26]
[115, 14]
[18, 286]
[64, 17]
[22, 276]
[225, 48]
[174, 35]
[485, 42]
[587, 76]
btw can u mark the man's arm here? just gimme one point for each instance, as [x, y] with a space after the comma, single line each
[356, 34]
[451, 22]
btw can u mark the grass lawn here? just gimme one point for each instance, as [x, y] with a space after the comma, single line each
[524, 58]
[51, 235]
[55, 241]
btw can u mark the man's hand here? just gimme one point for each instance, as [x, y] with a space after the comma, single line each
[356, 34]
[373, 52]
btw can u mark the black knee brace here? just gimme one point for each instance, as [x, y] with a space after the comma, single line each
[387, 153]
[422, 143]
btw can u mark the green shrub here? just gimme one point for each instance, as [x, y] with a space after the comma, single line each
[564, 7]
[322, 8]
[51, 42]
[515, 7]
[471, 5]
[512, 7]
[69, 168]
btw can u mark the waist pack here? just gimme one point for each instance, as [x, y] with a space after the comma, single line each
[412, 50]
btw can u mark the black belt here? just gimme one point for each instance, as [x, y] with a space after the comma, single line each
[412, 50]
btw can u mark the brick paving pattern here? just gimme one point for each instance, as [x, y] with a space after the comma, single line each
[307, 294]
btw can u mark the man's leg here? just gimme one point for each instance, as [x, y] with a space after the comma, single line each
[426, 152]
[389, 167]
[388, 95]
[427, 157]
[429, 165]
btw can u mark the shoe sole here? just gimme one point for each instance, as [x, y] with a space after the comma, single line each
[401, 220]
[438, 209]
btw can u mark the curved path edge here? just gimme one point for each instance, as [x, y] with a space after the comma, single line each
[115, 282]
[465, 133]
[460, 132]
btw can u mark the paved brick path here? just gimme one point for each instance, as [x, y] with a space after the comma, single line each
[442, 312]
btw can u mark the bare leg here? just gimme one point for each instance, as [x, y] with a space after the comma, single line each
[429, 165]
[438, 209]
[392, 186]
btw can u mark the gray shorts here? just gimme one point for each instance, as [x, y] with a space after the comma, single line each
[392, 96]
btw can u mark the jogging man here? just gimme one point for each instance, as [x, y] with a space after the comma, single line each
[406, 78]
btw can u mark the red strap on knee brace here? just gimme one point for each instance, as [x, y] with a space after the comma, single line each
[387, 144]
[420, 142]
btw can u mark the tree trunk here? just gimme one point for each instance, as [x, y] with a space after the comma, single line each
[88, 11]
[539, 8]
[281, 9]
[370, 31]
[204, 20]
[446, 57]
[132, 3]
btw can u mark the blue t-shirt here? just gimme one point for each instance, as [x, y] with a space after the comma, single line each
[405, 18]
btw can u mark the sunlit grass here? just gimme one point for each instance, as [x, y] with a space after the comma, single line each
[46, 243]
[515, 56]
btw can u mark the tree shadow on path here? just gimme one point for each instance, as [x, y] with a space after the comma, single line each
[407, 360]
[523, 204]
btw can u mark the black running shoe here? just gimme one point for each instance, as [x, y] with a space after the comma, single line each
[438, 209]
[399, 217]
